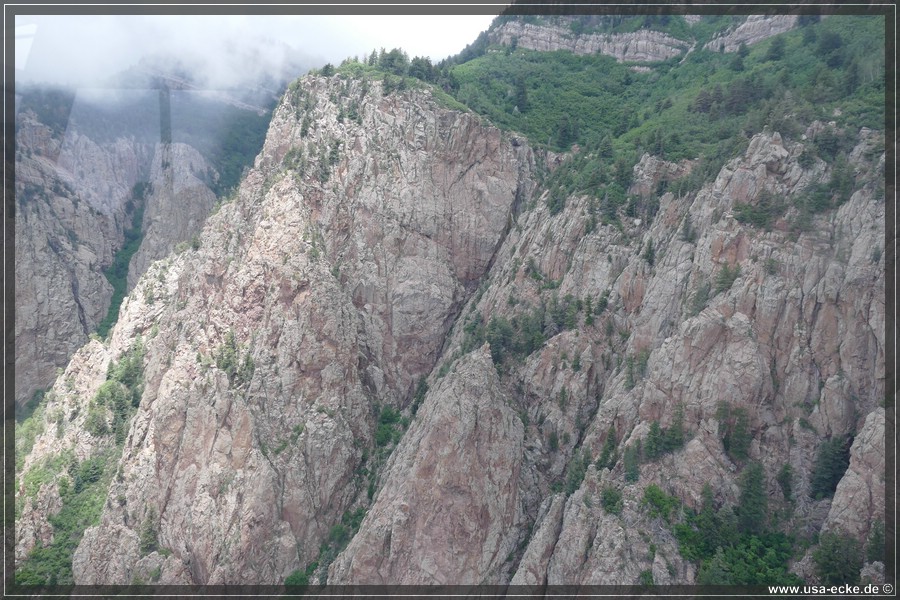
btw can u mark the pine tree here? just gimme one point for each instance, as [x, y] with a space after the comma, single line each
[838, 559]
[754, 502]
[716, 570]
[632, 462]
[654, 446]
[608, 455]
[674, 437]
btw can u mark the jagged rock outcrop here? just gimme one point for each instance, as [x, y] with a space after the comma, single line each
[645, 45]
[859, 499]
[74, 203]
[762, 344]
[381, 240]
[326, 288]
[67, 230]
[755, 29]
[451, 486]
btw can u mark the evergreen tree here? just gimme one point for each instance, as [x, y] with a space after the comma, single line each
[875, 547]
[785, 477]
[754, 502]
[832, 461]
[776, 49]
[654, 446]
[715, 571]
[632, 462]
[521, 95]
[707, 522]
[838, 559]
[608, 455]
[674, 437]
[650, 253]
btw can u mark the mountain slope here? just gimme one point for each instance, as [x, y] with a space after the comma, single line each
[416, 348]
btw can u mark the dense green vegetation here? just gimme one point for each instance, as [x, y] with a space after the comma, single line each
[734, 545]
[82, 504]
[582, 99]
[117, 273]
[83, 485]
[838, 559]
[704, 105]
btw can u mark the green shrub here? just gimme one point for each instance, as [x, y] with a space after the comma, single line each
[96, 422]
[658, 503]
[762, 214]
[735, 430]
[148, 536]
[838, 559]
[611, 500]
[727, 277]
[577, 469]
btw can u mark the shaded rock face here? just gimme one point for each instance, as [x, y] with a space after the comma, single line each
[640, 46]
[177, 206]
[451, 487]
[346, 270]
[74, 203]
[67, 231]
[331, 281]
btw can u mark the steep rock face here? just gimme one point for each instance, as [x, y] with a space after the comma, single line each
[640, 46]
[451, 487]
[859, 498]
[324, 288]
[67, 230]
[64, 437]
[796, 341]
[177, 206]
[344, 272]
[755, 29]
[74, 204]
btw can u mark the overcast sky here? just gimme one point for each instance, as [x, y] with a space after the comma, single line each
[84, 50]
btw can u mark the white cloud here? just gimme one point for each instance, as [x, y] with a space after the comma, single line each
[84, 50]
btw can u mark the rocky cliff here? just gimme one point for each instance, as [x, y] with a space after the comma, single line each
[643, 45]
[351, 247]
[67, 231]
[388, 359]
[640, 46]
[796, 341]
[755, 29]
[75, 200]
